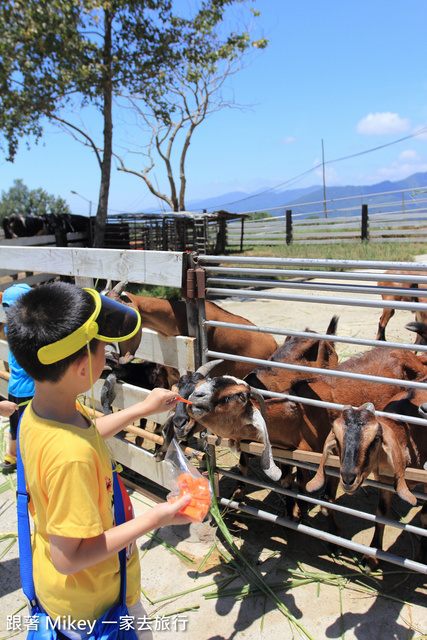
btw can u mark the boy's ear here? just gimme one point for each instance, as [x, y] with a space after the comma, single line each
[81, 365]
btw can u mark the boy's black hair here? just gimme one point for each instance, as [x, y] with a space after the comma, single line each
[42, 316]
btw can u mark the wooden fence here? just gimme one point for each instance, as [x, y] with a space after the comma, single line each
[392, 221]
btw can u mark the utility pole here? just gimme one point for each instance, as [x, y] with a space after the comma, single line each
[324, 184]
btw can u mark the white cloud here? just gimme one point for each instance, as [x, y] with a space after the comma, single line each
[409, 155]
[289, 140]
[383, 124]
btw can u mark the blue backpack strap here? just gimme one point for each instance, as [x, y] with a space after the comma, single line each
[24, 536]
[119, 511]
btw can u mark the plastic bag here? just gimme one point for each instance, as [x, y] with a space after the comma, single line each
[182, 478]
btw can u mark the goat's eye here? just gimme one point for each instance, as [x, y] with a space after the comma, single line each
[242, 397]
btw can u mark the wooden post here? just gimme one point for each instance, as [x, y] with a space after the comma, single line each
[288, 226]
[242, 233]
[364, 226]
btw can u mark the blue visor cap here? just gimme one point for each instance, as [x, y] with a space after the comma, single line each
[11, 295]
[110, 321]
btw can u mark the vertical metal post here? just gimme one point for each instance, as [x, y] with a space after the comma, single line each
[242, 234]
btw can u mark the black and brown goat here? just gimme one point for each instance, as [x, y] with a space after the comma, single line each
[367, 443]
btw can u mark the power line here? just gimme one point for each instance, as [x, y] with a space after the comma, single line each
[301, 175]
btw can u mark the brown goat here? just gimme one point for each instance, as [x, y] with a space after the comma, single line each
[366, 443]
[299, 351]
[169, 318]
[224, 406]
[387, 314]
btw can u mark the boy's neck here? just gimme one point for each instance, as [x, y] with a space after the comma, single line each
[57, 402]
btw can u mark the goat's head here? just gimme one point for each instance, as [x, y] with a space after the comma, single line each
[225, 405]
[359, 437]
[184, 424]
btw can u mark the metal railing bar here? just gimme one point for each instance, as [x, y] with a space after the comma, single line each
[354, 302]
[328, 505]
[326, 537]
[315, 370]
[309, 274]
[319, 286]
[309, 262]
[317, 336]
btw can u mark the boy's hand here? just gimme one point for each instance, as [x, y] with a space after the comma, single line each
[7, 408]
[159, 400]
[166, 513]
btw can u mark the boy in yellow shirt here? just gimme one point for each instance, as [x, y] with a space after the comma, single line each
[57, 333]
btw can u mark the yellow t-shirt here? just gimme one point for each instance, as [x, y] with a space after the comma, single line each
[69, 478]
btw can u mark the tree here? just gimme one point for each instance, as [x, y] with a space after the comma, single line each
[60, 54]
[37, 202]
[194, 93]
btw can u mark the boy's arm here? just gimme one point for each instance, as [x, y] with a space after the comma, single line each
[70, 555]
[157, 401]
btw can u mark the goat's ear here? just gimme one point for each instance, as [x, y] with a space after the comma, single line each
[318, 481]
[396, 458]
[125, 298]
[267, 463]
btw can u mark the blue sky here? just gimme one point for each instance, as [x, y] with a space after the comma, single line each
[352, 74]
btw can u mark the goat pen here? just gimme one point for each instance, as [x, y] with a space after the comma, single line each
[201, 276]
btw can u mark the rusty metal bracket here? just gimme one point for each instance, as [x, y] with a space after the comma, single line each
[196, 283]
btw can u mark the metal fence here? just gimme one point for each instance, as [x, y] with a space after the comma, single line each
[253, 279]
[295, 282]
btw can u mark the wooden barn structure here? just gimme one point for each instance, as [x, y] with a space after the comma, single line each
[170, 231]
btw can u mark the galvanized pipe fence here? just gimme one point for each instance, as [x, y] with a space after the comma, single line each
[243, 274]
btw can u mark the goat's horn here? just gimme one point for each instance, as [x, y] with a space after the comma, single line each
[120, 287]
[108, 285]
[422, 410]
[318, 481]
[206, 368]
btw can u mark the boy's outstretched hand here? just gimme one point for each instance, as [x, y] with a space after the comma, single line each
[159, 400]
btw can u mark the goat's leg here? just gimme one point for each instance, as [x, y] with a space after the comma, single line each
[386, 315]
[240, 491]
[383, 509]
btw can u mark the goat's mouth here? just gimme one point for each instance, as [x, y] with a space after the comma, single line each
[351, 486]
[197, 409]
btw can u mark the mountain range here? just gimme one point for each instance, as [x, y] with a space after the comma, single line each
[239, 202]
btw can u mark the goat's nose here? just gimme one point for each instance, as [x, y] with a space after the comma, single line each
[348, 479]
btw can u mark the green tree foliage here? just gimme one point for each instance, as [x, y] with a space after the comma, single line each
[20, 199]
[60, 55]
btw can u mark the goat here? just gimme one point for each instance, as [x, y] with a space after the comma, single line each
[387, 314]
[141, 374]
[365, 443]
[307, 352]
[224, 404]
[169, 318]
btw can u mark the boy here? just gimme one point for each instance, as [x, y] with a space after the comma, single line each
[20, 387]
[56, 333]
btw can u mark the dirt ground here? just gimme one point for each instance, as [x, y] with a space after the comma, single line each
[325, 596]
